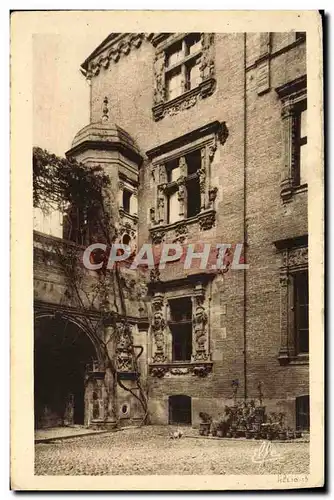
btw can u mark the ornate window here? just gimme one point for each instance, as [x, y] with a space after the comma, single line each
[294, 291]
[181, 177]
[184, 71]
[295, 158]
[180, 342]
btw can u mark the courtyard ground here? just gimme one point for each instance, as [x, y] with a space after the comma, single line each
[150, 450]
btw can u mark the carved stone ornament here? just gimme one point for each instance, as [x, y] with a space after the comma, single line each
[298, 257]
[161, 106]
[158, 236]
[119, 47]
[207, 220]
[212, 195]
[155, 275]
[179, 371]
[202, 370]
[158, 371]
[158, 325]
[181, 233]
[200, 320]
[124, 344]
[195, 369]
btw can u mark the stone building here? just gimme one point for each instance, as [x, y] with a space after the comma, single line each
[204, 138]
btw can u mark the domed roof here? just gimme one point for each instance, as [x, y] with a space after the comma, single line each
[104, 132]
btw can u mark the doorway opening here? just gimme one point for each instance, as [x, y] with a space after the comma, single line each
[180, 409]
[62, 351]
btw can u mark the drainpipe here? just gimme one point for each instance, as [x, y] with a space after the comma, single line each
[245, 228]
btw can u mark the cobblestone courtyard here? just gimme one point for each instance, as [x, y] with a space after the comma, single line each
[151, 451]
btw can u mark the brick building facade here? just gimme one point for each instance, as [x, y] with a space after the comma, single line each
[204, 138]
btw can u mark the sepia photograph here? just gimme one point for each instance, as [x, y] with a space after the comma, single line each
[171, 181]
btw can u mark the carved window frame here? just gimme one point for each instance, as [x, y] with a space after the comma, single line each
[294, 259]
[206, 139]
[161, 105]
[161, 358]
[293, 96]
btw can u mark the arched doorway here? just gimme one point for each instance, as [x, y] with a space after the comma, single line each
[179, 409]
[62, 351]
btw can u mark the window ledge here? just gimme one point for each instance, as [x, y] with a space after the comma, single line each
[287, 193]
[185, 100]
[176, 368]
[205, 220]
[123, 213]
[300, 359]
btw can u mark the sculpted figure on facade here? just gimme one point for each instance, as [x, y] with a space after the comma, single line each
[158, 330]
[200, 332]
[123, 346]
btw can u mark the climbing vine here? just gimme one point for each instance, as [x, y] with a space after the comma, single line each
[61, 184]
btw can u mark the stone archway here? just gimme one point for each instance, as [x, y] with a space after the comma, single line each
[62, 351]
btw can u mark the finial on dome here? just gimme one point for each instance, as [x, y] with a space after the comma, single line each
[105, 110]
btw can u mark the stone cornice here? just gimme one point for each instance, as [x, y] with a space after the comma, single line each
[297, 241]
[112, 49]
[216, 128]
[292, 88]
[102, 145]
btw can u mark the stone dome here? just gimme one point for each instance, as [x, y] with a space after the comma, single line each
[104, 135]
[106, 132]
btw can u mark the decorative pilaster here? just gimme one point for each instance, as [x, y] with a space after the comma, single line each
[288, 140]
[200, 333]
[202, 174]
[263, 64]
[284, 354]
[161, 204]
[158, 329]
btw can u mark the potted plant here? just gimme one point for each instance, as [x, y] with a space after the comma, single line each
[220, 432]
[290, 433]
[248, 433]
[205, 424]
[282, 434]
[281, 427]
[214, 428]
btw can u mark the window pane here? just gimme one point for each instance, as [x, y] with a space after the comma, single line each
[181, 309]
[194, 76]
[175, 54]
[193, 43]
[193, 162]
[303, 347]
[301, 311]
[303, 413]
[173, 208]
[182, 342]
[174, 85]
[303, 124]
[193, 198]
[126, 200]
[175, 174]
[133, 205]
[303, 164]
